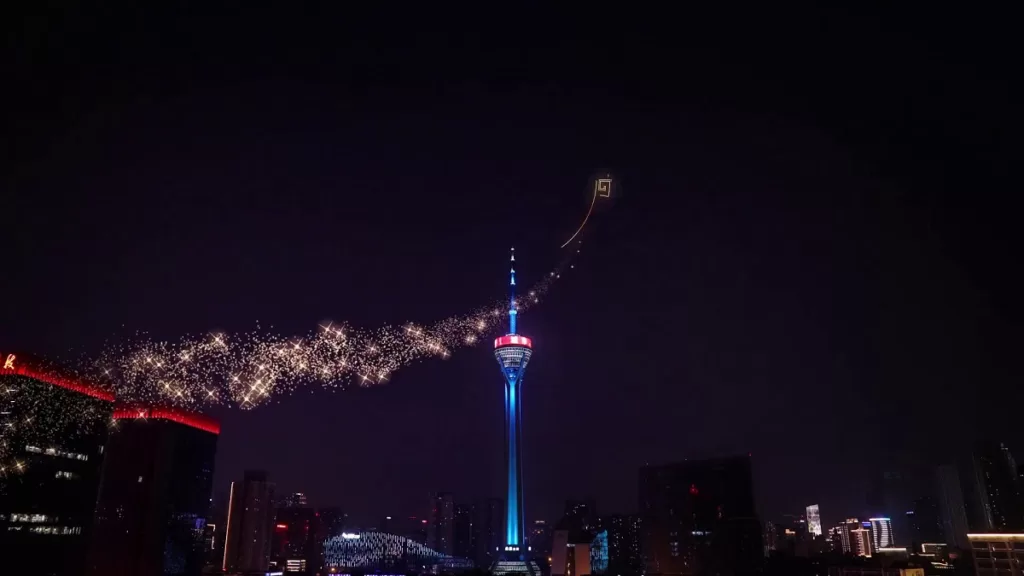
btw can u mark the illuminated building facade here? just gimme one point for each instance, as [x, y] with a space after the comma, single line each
[513, 353]
[813, 520]
[861, 541]
[881, 531]
[154, 498]
[623, 544]
[52, 436]
[997, 554]
[698, 516]
[250, 521]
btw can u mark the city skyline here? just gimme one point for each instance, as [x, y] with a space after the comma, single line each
[809, 257]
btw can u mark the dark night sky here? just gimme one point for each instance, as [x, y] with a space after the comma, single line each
[811, 259]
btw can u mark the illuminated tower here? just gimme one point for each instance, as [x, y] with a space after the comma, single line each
[513, 353]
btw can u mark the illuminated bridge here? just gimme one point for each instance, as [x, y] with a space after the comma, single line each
[383, 551]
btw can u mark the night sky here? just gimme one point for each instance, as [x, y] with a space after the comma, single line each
[811, 254]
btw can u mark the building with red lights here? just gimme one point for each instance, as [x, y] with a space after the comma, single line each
[698, 517]
[154, 496]
[295, 545]
[52, 435]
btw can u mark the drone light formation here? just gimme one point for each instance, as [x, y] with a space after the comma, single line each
[250, 369]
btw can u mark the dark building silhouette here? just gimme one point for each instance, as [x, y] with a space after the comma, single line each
[925, 522]
[154, 497]
[699, 517]
[539, 539]
[295, 545]
[993, 495]
[463, 545]
[50, 466]
[250, 521]
[579, 515]
[952, 511]
[441, 523]
[332, 521]
[489, 525]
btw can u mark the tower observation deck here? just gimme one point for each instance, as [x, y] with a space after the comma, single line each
[513, 352]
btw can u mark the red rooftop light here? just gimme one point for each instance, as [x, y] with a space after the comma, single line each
[13, 365]
[197, 421]
[513, 340]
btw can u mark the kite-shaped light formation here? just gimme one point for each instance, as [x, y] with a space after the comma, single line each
[249, 369]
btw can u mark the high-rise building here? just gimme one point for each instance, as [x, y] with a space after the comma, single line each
[441, 523]
[295, 545]
[881, 533]
[843, 534]
[295, 499]
[579, 515]
[925, 522]
[52, 436]
[699, 516]
[994, 496]
[154, 497]
[862, 541]
[463, 545]
[624, 558]
[489, 525]
[539, 539]
[997, 554]
[250, 521]
[952, 510]
[513, 353]
[813, 520]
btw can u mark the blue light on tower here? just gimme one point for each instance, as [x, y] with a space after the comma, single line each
[513, 352]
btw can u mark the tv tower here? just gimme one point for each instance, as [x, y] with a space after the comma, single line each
[513, 352]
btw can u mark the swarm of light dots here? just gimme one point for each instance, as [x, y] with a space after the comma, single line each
[249, 369]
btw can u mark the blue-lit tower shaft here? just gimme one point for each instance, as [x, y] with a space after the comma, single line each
[513, 353]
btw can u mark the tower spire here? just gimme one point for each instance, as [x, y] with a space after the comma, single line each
[512, 313]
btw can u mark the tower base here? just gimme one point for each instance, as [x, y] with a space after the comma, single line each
[507, 567]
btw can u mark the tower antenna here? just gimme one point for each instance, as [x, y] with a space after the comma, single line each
[512, 312]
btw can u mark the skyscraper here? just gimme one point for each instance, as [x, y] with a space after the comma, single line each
[463, 545]
[51, 456]
[441, 523]
[295, 542]
[250, 519]
[994, 498]
[698, 516]
[513, 352]
[952, 511]
[813, 520]
[489, 526]
[623, 544]
[925, 522]
[154, 498]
